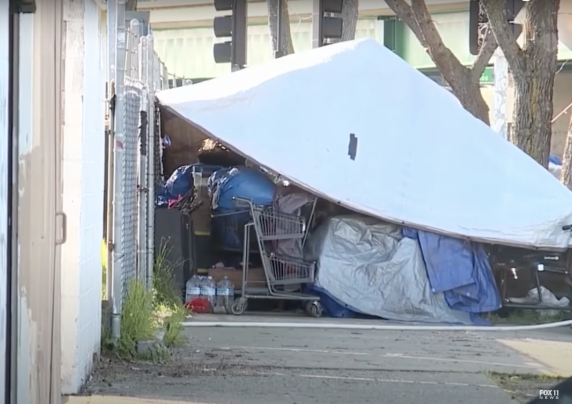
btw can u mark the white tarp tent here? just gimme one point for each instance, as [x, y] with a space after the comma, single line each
[421, 159]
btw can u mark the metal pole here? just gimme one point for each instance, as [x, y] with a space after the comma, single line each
[153, 80]
[119, 157]
[111, 37]
[111, 44]
[239, 34]
[110, 194]
[501, 73]
[6, 182]
[133, 47]
[278, 53]
[143, 178]
[317, 16]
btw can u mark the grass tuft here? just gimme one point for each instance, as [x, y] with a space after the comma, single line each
[522, 388]
[164, 278]
[169, 300]
[147, 313]
[528, 317]
[138, 320]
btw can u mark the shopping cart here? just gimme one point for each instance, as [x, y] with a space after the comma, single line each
[281, 272]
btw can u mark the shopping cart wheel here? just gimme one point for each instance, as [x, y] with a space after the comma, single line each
[314, 309]
[239, 306]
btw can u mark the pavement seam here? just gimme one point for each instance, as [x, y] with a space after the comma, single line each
[378, 380]
[387, 355]
[246, 366]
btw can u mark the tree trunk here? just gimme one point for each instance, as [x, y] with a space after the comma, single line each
[533, 69]
[286, 34]
[350, 16]
[534, 83]
[566, 173]
[464, 81]
[533, 110]
[467, 88]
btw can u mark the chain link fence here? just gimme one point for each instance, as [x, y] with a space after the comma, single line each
[130, 183]
[139, 73]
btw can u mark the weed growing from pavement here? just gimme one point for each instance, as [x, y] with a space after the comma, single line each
[138, 322]
[164, 278]
[103, 270]
[172, 323]
[147, 313]
[522, 387]
[169, 301]
[528, 317]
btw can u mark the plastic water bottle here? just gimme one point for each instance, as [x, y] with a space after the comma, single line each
[225, 294]
[210, 290]
[230, 295]
[193, 289]
[204, 287]
[221, 293]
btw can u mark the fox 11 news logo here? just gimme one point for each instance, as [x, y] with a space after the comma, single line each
[548, 394]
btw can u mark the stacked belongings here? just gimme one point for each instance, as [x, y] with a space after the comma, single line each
[228, 215]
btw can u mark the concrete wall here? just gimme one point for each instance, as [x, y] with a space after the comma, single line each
[83, 180]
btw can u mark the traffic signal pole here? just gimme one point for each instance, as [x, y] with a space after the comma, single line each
[279, 52]
[326, 27]
[239, 34]
[317, 16]
[233, 27]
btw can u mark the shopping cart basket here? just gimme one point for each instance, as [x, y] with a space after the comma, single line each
[281, 272]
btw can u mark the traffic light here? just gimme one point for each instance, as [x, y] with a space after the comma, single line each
[327, 27]
[234, 27]
[477, 19]
[513, 7]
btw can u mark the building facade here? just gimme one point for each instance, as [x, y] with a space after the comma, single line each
[52, 86]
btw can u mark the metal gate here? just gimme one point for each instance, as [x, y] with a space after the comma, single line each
[138, 74]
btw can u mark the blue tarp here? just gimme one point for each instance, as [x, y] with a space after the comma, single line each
[181, 182]
[241, 182]
[555, 160]
[332, 307]
[229, 217]
[227, 228]
[459, 269]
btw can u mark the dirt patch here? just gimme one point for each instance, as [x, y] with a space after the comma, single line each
[112, 370]
[524, 387]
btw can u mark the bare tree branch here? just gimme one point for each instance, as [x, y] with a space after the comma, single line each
[285, 32]
[437, 48]
[418, 19]
[486, 52]
[463, 82]
[500, 26]
[404, 12]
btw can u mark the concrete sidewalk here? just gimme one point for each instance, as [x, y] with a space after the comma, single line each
[120, 400]
[249, 365]
[537, 351]
[555, 356]
[542, 351]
